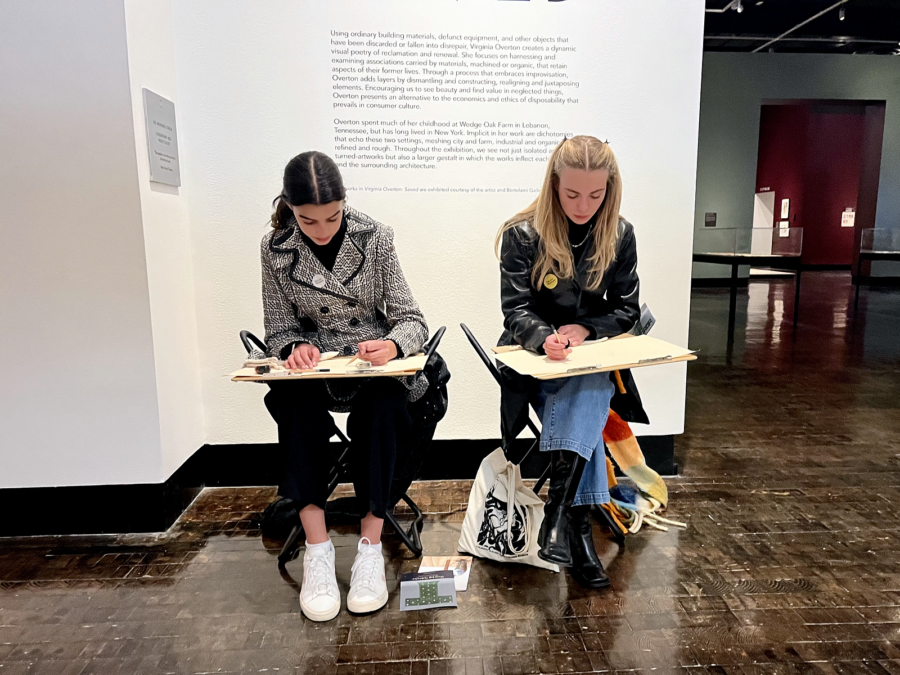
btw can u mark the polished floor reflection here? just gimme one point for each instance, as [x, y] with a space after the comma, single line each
[790, 563]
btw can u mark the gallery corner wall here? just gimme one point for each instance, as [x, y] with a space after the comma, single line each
[95, 277]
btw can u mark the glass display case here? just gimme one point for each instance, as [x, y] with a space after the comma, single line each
[880, 240]
[749, 241]
[875, 244]
[776, 247]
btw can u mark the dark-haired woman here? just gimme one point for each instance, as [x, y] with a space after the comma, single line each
[332, 282]
[569, 262]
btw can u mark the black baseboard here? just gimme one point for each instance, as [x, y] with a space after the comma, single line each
[117, 509]
[718, 282]
[93, 509]
[877, 281]
[227, 465]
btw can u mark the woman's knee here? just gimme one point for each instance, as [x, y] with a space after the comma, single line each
[385, 392]
[596, 385]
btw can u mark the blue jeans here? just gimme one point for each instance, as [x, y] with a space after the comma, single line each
[573, 412]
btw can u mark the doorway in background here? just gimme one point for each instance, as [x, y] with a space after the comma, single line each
[761, 236]
[825, 158]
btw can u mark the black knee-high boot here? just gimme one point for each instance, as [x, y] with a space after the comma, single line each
[565, 474]
[586, 568]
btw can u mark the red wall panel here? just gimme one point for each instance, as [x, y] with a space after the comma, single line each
[830, 184]
[811, 155]
[782, 154]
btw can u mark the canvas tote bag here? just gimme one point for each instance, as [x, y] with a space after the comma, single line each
[503, 517]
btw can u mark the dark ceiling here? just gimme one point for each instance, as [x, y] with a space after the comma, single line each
[868, 27]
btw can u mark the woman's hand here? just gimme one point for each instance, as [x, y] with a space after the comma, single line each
[304, 357]
[377, 352]
[556, 350]
[576, 333]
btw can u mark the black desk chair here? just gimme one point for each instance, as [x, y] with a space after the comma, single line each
[340, 469]
[495, 372]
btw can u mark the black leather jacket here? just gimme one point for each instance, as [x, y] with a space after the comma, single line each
[528, 313]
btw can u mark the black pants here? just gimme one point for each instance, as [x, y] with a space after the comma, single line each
[378, 423]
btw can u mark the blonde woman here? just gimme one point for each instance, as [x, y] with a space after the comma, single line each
[568, 266]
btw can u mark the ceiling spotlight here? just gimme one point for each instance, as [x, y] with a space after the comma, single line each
[739, 6]
[842, 14]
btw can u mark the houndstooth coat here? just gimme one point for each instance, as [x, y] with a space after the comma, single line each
[365, 297]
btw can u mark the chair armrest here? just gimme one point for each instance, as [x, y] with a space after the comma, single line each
[249, 340]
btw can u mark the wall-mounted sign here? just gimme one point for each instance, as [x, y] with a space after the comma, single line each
[848, 218]
[710, 220]
[785, 208]
[784, 228]
[162, 139]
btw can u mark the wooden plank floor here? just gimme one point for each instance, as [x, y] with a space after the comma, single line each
[790, 563]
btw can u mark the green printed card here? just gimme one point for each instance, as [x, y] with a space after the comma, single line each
[427, 590]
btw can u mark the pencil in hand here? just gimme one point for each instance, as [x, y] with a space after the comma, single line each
[363, 363]
[558, 336]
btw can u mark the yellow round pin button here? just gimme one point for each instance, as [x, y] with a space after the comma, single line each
[550, 281]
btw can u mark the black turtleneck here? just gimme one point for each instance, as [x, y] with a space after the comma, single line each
[579, 233]
[327, 253]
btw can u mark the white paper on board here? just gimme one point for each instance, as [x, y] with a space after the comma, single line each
[608, 354]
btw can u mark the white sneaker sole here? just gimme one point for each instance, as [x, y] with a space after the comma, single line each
[326, 615]
[369, 605]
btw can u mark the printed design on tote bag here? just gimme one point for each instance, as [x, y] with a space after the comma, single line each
[493, 535]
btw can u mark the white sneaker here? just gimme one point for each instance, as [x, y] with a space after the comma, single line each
[368, 589]
[320, 598]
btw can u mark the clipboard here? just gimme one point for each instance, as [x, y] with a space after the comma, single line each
[619, 353]
[336, 368]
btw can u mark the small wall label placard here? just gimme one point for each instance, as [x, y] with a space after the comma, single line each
[162, 139]
[848, 218]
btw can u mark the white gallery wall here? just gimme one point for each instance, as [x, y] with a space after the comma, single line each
[74, 300]
[129, 295]
[167, 243]
[96, 296]
[255, 88]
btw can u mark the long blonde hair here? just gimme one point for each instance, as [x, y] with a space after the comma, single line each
[549, 220]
